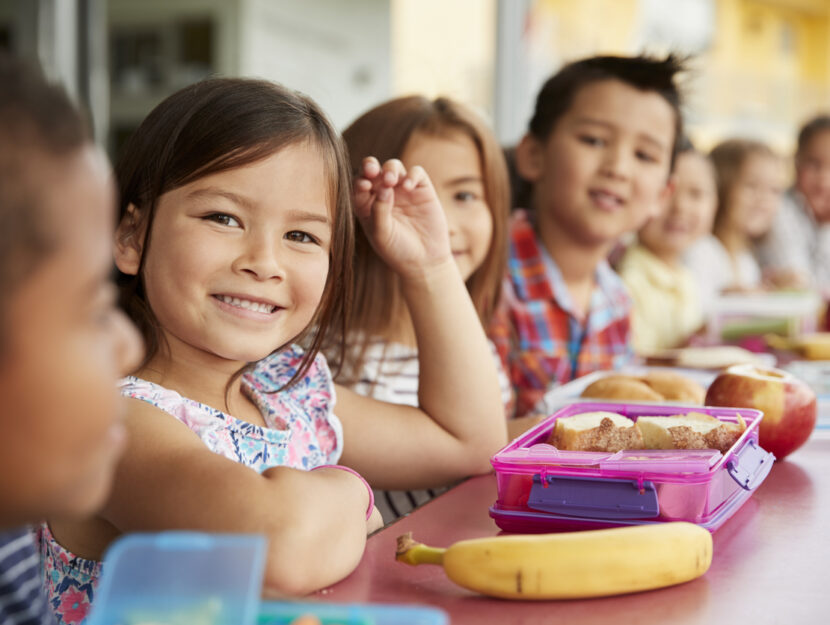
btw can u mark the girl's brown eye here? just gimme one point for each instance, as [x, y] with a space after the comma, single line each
[300, 237]
[223, 219]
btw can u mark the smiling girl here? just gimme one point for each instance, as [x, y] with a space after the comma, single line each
[466, 165]
[234, 242]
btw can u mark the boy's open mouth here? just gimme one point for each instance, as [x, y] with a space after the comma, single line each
[605, 199]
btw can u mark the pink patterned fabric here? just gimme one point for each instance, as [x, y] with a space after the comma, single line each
[302, 433]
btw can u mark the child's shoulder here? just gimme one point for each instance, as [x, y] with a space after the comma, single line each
[275, 370]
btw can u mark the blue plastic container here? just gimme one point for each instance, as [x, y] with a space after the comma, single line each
[192, 578]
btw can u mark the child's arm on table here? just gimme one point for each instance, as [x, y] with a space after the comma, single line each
[315, 522]
[460, 421]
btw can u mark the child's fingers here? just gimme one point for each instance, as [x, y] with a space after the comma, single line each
[393, 172]
[416, 177]
[370, 167]
[363, 197]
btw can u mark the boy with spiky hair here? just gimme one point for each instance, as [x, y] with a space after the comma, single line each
[598, 155]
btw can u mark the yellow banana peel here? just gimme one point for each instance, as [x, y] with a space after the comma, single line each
[571, 565]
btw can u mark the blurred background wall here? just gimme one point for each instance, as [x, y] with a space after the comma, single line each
[760, 67]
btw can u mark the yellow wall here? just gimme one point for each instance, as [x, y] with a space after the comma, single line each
[768, 70]
[444, 47]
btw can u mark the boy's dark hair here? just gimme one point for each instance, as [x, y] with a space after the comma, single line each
[641, 72]
[220, 124]
[809, 130]
[37, 121]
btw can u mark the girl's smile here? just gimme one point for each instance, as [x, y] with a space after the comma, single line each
[249, 248]
[248, 307]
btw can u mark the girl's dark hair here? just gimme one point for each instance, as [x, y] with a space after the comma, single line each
[384, 132]
[221, 124]
[641, 72]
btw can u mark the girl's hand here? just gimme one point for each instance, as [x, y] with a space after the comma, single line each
[402, 216]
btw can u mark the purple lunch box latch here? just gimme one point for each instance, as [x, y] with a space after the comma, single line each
[749, 466]
[598, 498]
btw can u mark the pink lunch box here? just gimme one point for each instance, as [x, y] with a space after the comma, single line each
[543, 489]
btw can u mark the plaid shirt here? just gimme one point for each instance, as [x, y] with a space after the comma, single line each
[539, 338]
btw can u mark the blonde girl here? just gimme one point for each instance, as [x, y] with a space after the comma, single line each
[749, 187]
[467, 167]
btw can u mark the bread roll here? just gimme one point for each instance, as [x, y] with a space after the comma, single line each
[675, 387]
[655, 386]
[622, 388]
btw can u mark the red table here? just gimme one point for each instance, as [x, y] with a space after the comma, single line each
[771, 561]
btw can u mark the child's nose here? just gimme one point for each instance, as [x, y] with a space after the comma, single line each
[261, 258]
[617, 161]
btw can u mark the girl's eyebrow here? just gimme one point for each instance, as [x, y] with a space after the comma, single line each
[302, 215]
[240, 200]
[207, 192]
[464, 180]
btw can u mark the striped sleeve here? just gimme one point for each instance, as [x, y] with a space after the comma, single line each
[22, 601]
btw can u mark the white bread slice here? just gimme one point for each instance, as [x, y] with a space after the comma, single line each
[694, 430]
[596, 431]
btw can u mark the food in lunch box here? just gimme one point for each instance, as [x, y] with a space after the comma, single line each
[652, 386]
[571, 565]
[596, 431]
[690, 431]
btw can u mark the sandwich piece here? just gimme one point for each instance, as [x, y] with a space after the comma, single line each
[691, 431]
[596, 431]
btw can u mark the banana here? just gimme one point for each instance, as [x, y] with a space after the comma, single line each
[571, 565]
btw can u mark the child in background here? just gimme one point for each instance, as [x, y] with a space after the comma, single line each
[466, 165]
[235, 241]
[796, 251]
[598, 155]
[63, 342]
[749, 183]
[666, 298]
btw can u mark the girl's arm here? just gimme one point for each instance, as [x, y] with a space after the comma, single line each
[460, 422]
[315, 522]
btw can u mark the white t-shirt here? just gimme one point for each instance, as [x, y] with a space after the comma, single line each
[797, 242]
[714, 270]
[390, 373]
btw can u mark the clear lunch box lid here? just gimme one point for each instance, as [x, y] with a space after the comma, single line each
[180, 578]
[195, 578]
[530, 453]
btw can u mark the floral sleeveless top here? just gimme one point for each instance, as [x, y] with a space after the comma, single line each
[302, 433]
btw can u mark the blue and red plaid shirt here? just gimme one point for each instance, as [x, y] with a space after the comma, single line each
[539, 338]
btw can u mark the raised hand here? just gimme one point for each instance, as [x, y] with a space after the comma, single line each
[402, 216]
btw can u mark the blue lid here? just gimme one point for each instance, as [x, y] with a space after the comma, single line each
[284, 613]
[180, 578]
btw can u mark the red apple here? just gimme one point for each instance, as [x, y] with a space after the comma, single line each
[788, 404]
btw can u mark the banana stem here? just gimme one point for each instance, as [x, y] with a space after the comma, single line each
[413, 552]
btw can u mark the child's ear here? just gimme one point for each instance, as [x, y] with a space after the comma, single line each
[129, 241]
[530, 158]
